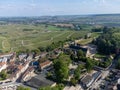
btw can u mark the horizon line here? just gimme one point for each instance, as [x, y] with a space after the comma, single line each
[62, 15]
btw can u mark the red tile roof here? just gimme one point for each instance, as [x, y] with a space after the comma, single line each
[45, 63]
[2, 63]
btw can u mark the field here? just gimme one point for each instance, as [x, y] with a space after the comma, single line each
[15, 37]
[89, 40]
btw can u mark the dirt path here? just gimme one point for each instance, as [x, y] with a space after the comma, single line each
[3, 44]
[70, 35]
[22, 42]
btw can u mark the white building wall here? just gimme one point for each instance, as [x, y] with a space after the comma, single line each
[3, 67]
[90, 83]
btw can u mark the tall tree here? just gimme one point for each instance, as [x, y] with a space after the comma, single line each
[61, 70]
[89, 65]
[77, 73]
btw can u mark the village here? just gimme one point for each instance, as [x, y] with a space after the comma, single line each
[59, 45]
[31, 70]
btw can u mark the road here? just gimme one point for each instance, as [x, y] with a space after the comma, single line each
[13, 86]
[105, 73]
[9, 86]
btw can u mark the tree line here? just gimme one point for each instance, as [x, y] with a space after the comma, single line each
[108, 42]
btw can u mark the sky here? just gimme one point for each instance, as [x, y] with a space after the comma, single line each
[58, 7]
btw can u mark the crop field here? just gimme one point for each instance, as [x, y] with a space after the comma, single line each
[15, 37]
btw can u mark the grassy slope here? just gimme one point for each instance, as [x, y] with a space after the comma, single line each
[14, 38]
[86, 41]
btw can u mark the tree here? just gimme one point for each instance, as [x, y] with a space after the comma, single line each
[77, 73]
[89, 65]
[97, 30]
[118, 65]
[80, 54]
[49, 75]
[42, 49]
[45, 88]
[37, 51]
[105, 29]
[108, 61]
[73, 81]
[73, 57]
[61, 70]
[3, 75]
[57, 87]
[108, 42]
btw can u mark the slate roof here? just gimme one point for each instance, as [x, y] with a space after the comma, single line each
[39, 81]
[77, 47]
[87, 79]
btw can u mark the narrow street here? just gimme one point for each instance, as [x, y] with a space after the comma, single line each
[105, 73]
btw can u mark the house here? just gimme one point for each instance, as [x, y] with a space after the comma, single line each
[17, 70]
[12, 58]
[13, 70]
[54, 54]
[3, 59]
[3, 65]
[39, 81]
[36, 56]
[22, 56]
[30, 57]
[87, 81]
[89, 50]
[97, 76]
[8, 57]
[57, 51]
[77, 47]
[27, 74]
[45, 64]
[43, 55]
